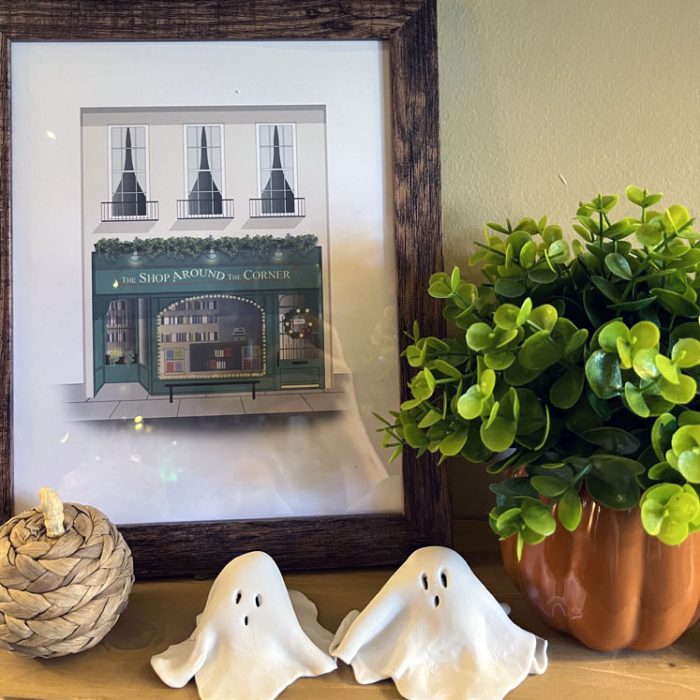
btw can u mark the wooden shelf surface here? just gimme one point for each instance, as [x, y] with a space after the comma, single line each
[161, 613]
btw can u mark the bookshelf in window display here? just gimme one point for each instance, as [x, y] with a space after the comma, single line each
[205, 349]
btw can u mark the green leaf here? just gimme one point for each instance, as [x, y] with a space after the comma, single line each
[455, 279]
[498, 434]
[430, 418]
[652, 199]
[542, 275]
[635, 400]
[635, 195]
[528, 254]
[575, 342]
[550, 486]
[446, 368]
[606, 202]
[680, 393]
[509, 287]
[663, 471]
[471, 403]
[487, 382]
[636, 305]
[506, 316]
[499, 359]
[539, 351]
[618, 265]
[676, 303]
[454, 443]
[506, 518]
[538, 518]
[566, 390]
[649, 234]
[652, 513]
[644, 363]
[439, 286]
[613, 439]
[479, 336]
[614, 486]
[610, 333]
[672, 532]
[644, 335]
[558, 251]
[517, 375]
[686, 353]
[543, 317]
[423, 385]
[689, 465]
[569, 510]
[675, 218]
[608, 288]
[603, 374]
[684, 506]
[415, 437]
[667, 368]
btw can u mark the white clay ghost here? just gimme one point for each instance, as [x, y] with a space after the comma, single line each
[436, 630]
[249, 643]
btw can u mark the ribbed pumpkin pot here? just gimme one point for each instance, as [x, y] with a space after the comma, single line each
[608, 583]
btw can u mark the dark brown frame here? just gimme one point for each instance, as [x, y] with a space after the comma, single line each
[409, 26]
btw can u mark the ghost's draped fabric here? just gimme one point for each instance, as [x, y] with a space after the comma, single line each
[249, 643]
[438, 632]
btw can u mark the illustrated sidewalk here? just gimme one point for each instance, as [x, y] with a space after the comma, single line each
[129, 400]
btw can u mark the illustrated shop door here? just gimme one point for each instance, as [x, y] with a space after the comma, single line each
[121, 341]
[300, 354]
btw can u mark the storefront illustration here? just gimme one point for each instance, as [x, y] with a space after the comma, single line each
[208, 324]
[191, 289]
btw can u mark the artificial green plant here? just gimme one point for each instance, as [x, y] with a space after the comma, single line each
[570, 367]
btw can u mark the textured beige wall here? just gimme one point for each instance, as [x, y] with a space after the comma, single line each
[545, 102]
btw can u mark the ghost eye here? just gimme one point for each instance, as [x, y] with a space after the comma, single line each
[443, 579]
[258, 601]
[424, 581]
[239, 595]
[436, 601]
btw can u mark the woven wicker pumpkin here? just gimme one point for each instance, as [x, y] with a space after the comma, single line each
[65, 577]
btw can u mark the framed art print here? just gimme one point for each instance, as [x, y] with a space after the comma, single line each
[213, 246]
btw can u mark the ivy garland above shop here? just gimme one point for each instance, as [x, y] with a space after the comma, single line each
[183, 247]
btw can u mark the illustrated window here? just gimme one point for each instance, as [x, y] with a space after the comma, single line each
[204, 174]
[211, 337]
[277, 172]
[128, 176]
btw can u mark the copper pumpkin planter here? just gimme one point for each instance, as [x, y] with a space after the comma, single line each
[608, 583]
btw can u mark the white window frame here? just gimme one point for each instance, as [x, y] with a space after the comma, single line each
[223, 158]
[147, 148]
[258, 184]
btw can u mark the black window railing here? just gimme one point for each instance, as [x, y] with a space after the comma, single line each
[130, 211]
[205, 209]
[277, 206]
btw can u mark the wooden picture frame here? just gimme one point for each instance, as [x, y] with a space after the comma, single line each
[409, 27]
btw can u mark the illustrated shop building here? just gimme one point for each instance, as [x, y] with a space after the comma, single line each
[206, 239]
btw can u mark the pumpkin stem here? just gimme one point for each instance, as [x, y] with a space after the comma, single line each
[52, 506]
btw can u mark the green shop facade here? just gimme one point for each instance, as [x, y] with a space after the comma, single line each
[209, 322]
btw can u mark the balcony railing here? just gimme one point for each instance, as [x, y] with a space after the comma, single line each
[280, 206]
[205, 209]
[130, 211]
